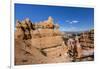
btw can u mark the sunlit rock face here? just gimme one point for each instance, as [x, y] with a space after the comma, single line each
[39, 43]
[43, 42]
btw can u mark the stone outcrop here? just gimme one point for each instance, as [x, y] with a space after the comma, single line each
[87, 39]
[87, 42]
[42, 42]
[39, 43]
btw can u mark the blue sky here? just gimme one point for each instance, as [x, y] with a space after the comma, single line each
[69, 18]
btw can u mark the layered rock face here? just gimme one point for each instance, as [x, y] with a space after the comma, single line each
[87, 43]
[39, 43]
[84, 44]
[87, 39]
[42, 42]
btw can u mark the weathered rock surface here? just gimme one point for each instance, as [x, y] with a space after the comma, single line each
[39, 45]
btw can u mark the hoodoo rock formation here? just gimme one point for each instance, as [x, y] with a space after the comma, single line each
[37, 43]
[42, 42]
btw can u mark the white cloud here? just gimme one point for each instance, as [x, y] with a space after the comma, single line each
[72, 22]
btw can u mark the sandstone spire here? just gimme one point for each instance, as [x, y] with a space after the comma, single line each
[27, 20]
[50, 19]
[17, 23]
